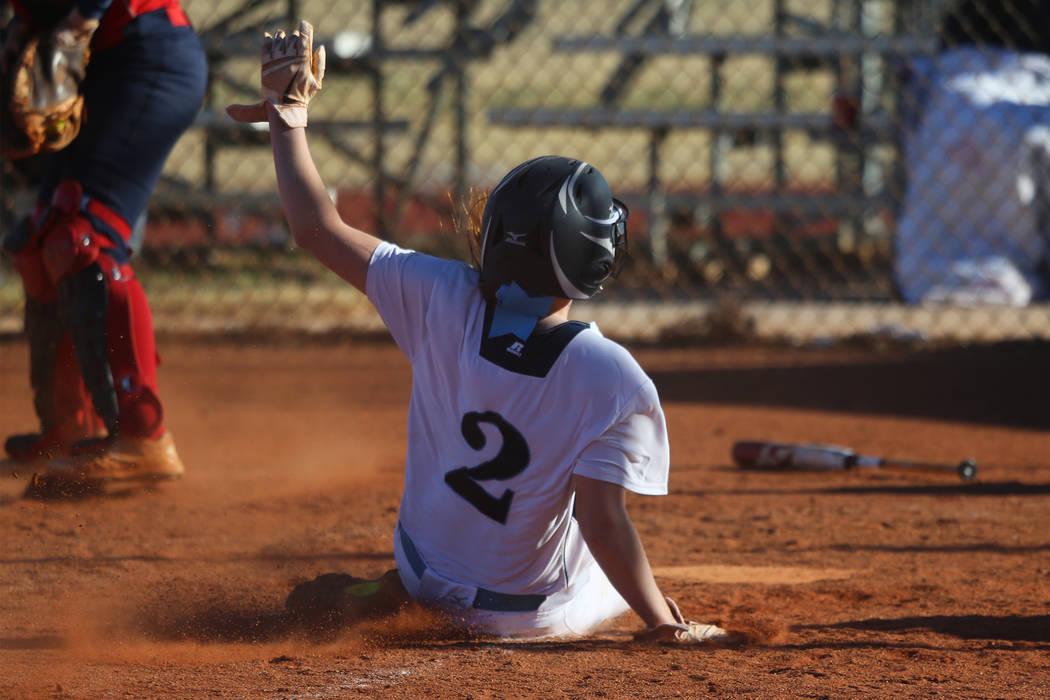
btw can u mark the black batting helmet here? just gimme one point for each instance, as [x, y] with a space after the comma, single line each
[553, 226]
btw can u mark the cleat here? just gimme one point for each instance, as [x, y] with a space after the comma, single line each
[24, 447]
[31, 447]
[331, 601]
[122, 459]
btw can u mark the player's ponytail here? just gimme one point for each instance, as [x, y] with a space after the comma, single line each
[467, 218]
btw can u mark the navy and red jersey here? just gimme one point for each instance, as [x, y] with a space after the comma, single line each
[113, 15]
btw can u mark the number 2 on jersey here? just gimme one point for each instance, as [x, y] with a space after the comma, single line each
[512, 459]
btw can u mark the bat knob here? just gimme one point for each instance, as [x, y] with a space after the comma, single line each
[967, 469]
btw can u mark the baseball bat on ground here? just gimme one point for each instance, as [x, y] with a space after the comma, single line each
[760, 454]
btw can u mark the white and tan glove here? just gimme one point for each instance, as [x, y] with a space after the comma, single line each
[292, 72]
[682, 631]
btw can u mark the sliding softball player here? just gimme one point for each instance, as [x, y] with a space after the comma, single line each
[525, 429]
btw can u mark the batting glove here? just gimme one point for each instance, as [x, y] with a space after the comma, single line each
[682, 631]
[292, 72]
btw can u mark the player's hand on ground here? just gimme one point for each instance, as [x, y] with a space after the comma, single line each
[292, 73]
[681, 631]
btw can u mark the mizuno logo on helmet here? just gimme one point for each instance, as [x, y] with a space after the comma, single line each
[516, 238]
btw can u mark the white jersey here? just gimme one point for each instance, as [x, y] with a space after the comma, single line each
[497, 427]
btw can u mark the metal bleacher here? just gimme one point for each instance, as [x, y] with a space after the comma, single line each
[858, 51]
[368, 56]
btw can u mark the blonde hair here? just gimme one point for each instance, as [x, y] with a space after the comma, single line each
[467, 218]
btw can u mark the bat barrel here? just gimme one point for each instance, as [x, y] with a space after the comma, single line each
[757, 454]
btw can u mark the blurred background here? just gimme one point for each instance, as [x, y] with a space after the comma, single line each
[801, 169]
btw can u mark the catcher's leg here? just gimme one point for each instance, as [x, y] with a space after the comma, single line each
[105, 311]
[59, 397]
[104, 308]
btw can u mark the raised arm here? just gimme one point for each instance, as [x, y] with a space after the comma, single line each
[292, 73]
[313, 219]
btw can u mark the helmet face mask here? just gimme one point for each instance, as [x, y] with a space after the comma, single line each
[553, 227]
[619, 236]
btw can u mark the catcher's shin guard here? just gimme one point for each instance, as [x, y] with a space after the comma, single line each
[83, 298]
[45, 333]
[59, 398]
[133, 362]
[61, 401]
[105, 311]
[22, 245]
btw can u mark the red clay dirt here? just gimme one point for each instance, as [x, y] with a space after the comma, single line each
[874, 583]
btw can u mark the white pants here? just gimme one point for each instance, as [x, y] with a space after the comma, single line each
[579, 609]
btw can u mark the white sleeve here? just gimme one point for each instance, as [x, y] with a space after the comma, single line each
[634, 451]
[400, 284]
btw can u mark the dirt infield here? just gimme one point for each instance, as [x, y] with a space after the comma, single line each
[876, 583]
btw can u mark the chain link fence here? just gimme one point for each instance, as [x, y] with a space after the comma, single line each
[809, 169]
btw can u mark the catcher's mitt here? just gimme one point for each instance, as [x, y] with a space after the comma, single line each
[41, 108]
